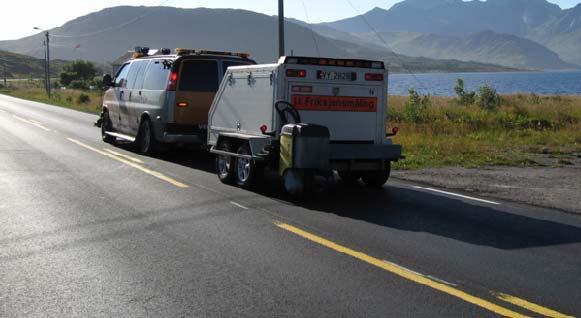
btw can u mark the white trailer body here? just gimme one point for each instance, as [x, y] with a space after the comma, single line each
[348, 97]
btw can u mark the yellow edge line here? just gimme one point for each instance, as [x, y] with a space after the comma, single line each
[123, 156]
[31, 123]
[132, 164]
[402, 273]
[530, 306]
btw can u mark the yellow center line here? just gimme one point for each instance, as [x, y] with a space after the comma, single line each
[37, 124]
[530, 306]
[132, 164]
[412, 276]
[123, 156]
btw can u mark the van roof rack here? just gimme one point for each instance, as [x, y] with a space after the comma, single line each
[182, 51]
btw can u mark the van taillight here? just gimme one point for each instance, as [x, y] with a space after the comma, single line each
[296, 73]
[378, 77]
[173, 82]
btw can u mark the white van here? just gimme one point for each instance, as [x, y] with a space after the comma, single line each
[164, 98]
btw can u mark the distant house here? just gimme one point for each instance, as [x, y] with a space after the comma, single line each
[115, 65]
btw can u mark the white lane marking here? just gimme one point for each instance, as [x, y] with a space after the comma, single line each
[30, 122]
[457, 195]
[238, 205]
[420, 274]
[123, 156]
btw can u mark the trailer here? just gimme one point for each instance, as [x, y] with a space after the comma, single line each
[303, 117]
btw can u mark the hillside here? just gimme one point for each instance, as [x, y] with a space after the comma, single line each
[23, 66]
[484, 46]
[103, 36]
[536, 20]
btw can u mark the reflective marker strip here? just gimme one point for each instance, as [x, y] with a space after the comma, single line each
[238, 205]
[414, 277]
[530, 306]
[134, 165]
[458, 195]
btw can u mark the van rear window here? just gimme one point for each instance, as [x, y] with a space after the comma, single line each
[227, 64]
[199, 76]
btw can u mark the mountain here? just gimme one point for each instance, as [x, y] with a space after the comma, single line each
[23, 66]
[484, 46]
[455, 17]
[106, 35]
[535, 20]
[562, 34]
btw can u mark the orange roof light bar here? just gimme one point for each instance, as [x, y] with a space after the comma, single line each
[181, 51]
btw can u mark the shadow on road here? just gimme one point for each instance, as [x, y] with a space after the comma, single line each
[407, 209]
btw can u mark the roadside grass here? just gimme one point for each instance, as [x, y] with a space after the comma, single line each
[522, 128]
[69, 98]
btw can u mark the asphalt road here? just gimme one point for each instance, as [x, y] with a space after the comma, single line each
[93, 230]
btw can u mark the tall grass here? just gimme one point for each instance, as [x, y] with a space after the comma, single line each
[470, 136]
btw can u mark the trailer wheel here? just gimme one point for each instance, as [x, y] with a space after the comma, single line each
[106, 127]
[225, 165]
[349, 177]
[376, 179]
[247, 171]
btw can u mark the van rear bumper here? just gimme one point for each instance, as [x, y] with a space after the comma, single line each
[186, 134]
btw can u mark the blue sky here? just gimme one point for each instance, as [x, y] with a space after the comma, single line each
[17, 18]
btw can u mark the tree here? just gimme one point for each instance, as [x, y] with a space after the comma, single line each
[78, 71]
[465, 98]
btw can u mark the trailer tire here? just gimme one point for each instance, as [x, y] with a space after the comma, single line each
[248, 172]
[377, 179]
[225, 165]
[349, 177]
[106, 127]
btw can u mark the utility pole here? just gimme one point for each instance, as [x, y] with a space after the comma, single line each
[46, 60]
[5, 63]
[281, 28]
[45, 69]
[47, 64]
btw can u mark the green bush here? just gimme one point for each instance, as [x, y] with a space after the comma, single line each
[78, 71]
[488, 98]
[417, 108]
[83, 99]
[78, 84]
[464, 98]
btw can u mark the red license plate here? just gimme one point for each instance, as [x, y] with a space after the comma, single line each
[335, 103]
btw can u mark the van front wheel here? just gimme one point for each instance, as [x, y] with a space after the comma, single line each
[146, 142]
[106, 127]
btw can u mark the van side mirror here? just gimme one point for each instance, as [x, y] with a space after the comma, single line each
[108, 80]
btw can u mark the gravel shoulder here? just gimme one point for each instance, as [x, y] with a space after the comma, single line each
[555, 187]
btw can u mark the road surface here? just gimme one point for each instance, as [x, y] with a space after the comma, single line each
[93, 230]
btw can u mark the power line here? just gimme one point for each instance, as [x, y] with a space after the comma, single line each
[312, 30]
[120, 26]
[378, 35]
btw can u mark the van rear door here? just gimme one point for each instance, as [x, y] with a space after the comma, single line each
[197, 86]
